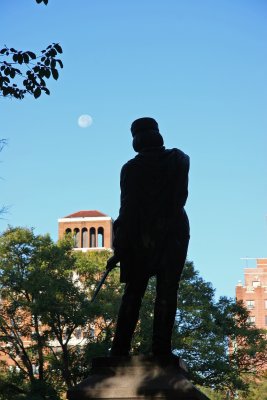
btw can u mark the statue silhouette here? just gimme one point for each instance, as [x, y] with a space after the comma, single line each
[151, 235]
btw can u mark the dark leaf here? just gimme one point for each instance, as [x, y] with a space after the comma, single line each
[53, 64]
[26, 58]
[13, 50]
[47, 62]
[52, 53]
[41, 73]
[12, 73]
[58, 48]
[3, 51]
[7, 71]
[6, 91]
[55, 73]
[15, 57]
[47, 73]
[47, 91]
[60, 63]
[20, 58]
[31, 54]
[39, 1]
[37, 93]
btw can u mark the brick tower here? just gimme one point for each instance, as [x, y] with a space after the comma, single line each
[254, 293]
[91, 229]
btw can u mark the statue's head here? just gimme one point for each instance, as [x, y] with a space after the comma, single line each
[146, 134]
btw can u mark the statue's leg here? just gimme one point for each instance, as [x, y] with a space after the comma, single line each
[168, 278]
[128, 316]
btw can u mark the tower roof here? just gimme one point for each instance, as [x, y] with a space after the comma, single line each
[86, 214]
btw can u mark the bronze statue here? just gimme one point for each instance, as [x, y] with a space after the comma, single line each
[151, 235]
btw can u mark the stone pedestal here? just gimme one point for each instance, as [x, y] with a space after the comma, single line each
[137, 377]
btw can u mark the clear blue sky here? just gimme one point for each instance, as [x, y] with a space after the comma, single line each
[198, 67]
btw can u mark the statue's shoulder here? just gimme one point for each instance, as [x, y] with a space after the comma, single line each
[178, 155]
[128, 167]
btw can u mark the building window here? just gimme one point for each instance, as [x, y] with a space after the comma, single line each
[67, 231]
[76, 237]
[250, 304]
[92, 237]
[265, 304]
[251, 319]
[84, 237]
[100, 237]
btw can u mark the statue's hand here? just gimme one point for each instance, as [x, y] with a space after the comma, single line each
[112, 262]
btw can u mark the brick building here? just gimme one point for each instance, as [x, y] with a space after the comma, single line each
[254, 292]
[91, 229]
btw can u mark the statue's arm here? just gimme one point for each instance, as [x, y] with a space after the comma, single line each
[182, 184]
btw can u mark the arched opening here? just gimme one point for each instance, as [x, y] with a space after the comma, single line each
[84, 237]
[100, 237]
[67, 231]
[76, 237]
[92, 237]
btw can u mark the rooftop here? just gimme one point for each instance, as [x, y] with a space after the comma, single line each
[86, 214]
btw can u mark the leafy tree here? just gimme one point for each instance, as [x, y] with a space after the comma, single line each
[28, 71]
[212, 394]
[90, 267]
[46, 290]
[206, 329]
[23, 72]
[24, 260]
[44, 304]
[257, 389]
[39, 303]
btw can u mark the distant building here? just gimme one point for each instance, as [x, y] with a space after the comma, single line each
[254, 293]
[91, 229]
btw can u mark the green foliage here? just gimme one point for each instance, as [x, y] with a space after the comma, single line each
[90, 267]
[212, 394]
[257, 390]
[45, 297]
[205, 331]
[14, 386]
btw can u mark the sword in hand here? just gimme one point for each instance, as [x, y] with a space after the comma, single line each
[111, 264]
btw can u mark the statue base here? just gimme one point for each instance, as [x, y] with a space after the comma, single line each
[136, 377]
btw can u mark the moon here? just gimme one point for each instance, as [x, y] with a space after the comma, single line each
[85, 120]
